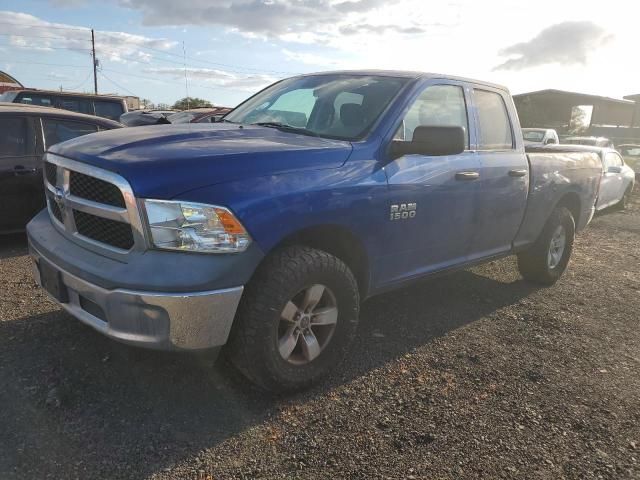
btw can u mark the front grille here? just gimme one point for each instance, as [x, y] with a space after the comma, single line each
[96, 190]
[55, 209]
[50, 172]
[111, 232]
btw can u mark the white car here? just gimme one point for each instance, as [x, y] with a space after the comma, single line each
[540, 136]
[618, 180]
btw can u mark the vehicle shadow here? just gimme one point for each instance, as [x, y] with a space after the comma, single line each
[13, 245]
[71, 395]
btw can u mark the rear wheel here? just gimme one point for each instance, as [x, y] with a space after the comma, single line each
[547, 259]
[296, 319]
[624, 201]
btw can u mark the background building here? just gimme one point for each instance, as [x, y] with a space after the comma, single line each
[7, 82]
[573, 113]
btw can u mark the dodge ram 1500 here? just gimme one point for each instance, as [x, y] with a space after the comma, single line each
[265, 232]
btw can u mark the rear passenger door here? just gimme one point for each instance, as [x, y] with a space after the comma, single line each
[504, 173]
[21, 189]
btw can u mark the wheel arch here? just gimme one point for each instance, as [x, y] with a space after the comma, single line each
[573, 203]
[340, 242]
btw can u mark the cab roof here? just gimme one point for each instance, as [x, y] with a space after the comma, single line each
[407, 74]
[6, 107]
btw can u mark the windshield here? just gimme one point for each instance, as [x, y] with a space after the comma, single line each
[182, 117]
[8, 96]
[533, 135]
[334, 106]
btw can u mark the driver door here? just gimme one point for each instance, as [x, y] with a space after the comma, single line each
[435, 196]
[20, 173]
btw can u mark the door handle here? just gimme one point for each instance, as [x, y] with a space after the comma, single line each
[20, 170]
[517, 173]
[467, 176]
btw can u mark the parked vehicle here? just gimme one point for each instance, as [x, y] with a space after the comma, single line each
[266, 231]
[139, 118]
[106, 106]
[618, 179]
[631, 156]
[589, 141]
[199, 115]
[540, 136]
[25, 133]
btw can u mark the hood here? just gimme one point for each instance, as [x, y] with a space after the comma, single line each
[162, 161]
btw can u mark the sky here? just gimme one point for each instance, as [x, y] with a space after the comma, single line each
[225, 50]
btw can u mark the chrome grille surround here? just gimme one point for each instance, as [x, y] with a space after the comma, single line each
[64, 203]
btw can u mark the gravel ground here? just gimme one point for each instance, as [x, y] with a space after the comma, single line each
[474, 375]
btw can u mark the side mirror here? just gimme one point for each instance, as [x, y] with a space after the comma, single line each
[614, 169]
[550, 141]
[431, 141]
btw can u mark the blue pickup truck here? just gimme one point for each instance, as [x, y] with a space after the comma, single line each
[264, 233]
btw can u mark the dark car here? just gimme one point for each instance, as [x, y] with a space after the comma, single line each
[26, 132]
[140, 118]
[199, 115]
[106, 106]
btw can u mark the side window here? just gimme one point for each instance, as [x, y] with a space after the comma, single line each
[439, 106]
[13, 137]
[493, 121]
[612, 160]
[75, 104]
[36, 99]
[111, 110]
[56, 131]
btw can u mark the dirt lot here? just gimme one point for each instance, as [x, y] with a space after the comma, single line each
[473, 375]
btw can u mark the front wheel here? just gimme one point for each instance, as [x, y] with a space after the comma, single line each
[547, 259]
[296, 319]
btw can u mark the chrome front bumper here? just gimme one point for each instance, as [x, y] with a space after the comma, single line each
[166, 321]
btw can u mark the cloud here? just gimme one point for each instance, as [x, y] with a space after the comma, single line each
[29, 32]
[69, 3]
[215, 77]
[566, 43]
[303, 21]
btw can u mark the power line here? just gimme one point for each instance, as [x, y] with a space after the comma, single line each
[117, 84]
[219, 64]
[48, 64]
[34, 36]
[144, 77]
[76, 87]
[44, 26]
[45, 47]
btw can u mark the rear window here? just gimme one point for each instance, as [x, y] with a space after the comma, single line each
[13, 137]
[107, 109]
[56, 131]
[533, 135]
[493, 121]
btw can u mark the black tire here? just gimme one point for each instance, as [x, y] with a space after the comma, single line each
[534, 262]
[253, 343]
[624, 201]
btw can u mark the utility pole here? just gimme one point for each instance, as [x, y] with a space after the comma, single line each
[93, 56]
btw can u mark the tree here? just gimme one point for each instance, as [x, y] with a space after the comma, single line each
[191, 102]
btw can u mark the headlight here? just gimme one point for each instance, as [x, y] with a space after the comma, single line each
[195, 227]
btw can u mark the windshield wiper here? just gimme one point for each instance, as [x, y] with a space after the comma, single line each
[287, 128]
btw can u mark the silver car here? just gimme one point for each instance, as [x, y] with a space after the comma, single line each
[618, 180]
[540, 136]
